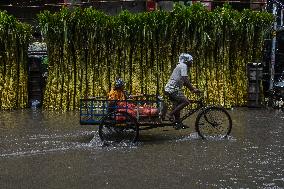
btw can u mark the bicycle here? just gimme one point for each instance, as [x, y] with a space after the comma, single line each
[122, 120]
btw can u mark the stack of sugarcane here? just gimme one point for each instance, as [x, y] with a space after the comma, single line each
[14, 40]
[87, 49]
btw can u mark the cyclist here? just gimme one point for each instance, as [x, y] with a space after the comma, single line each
[173, 88]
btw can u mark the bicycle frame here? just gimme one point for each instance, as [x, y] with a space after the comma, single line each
[200, 106]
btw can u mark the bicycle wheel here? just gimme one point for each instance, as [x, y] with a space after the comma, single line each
[118, 127]
[213, 122]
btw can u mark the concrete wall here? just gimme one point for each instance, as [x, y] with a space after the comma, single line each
[116, 7]
[165, 5]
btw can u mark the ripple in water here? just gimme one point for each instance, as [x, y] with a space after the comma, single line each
[97, 143]
[192, 136]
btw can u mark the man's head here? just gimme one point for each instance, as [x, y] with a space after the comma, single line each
[119, 83]
[185, 58]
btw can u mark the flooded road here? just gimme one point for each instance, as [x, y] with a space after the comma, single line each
[41, 149]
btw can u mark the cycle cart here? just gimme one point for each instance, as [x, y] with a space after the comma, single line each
[122, 120]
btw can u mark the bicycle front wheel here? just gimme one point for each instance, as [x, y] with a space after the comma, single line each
[213, 122]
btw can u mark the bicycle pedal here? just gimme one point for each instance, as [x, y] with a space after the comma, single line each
[177, 126]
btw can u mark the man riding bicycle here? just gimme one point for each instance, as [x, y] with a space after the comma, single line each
[173, 88]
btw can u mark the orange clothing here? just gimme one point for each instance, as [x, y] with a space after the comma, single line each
[116, 95]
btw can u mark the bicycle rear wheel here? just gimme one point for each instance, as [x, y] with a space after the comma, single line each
[118, 127]
[213, 122]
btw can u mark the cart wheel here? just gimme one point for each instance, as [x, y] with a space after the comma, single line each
[118, 127]
[213, 122]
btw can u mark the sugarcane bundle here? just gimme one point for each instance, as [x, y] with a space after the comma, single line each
[87, 49]
[14, 41]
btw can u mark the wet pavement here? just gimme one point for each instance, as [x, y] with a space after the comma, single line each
[42, 149]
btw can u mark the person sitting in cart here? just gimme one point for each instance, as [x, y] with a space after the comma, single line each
[121, 100]
[118, 92]
[173, 88]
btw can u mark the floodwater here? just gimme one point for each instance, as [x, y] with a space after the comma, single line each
[42, 149]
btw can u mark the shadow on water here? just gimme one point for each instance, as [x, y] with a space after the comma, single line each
[252, 157]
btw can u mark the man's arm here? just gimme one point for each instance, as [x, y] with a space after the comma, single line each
[188, 84]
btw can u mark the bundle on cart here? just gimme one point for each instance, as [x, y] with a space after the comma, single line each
[136, 109]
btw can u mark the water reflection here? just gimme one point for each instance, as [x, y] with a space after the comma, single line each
[252, 157]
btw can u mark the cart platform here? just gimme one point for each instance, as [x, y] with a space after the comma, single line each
[146, 109]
